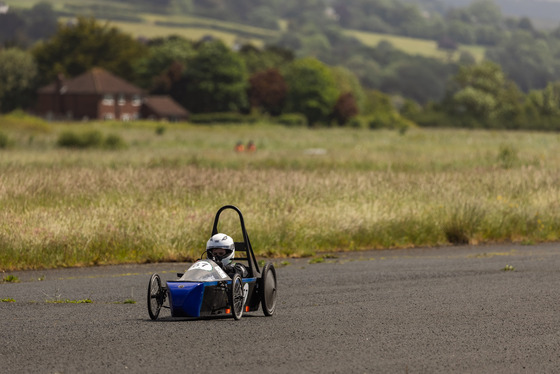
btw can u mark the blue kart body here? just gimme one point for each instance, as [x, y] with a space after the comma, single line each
[206, 290]
[201, 299]
[203, 291]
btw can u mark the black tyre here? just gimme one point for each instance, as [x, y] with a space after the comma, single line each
[268, 289]
[236, 297]
[156, 296]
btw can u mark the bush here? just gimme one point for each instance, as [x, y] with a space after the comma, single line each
[3, 140]
[69, 139]
[210, 118]
[358, 122]
[89, 139]
[432, 118]
[92, 139]
[390, 120]
[462, 222]
[113, 141]
[160, 130]
[291, 119]
[507, 156]
[19, 120]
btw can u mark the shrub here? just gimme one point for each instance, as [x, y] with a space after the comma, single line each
[3, 140]
[89, 139]
[69, 139]
[209, 118]
[389, 120]
[432, 118]
[92, 139]
[160, 130]
[462, 221]
[113, 141]
[19, 120]
[291, 119]
[358, 122]
[507, 156]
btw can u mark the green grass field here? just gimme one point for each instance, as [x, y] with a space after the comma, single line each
[303, 191]
[413, 46]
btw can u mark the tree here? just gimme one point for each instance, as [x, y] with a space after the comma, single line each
[41, 20]
[345, 108]
[347, 82]
[529, 62]
[77, 48]
[17, 74]
[461, 32]
[547, 101]
[263, 16]
[162, 58]
[311, 90]
[22, 27]
[418, 78]
[258, 60]
[367, 70]
[484, 94]
[267, 90]
[485, 12]
[11, 28]
[215, 80]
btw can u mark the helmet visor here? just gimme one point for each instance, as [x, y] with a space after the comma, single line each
[219, 253]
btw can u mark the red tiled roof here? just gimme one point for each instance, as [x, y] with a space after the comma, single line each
[165, 106]
[95, 81]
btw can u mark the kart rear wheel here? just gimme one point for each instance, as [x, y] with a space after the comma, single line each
[268, 289]
[236, 297]
[156, 296]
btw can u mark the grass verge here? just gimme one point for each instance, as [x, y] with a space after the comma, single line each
[155, 200]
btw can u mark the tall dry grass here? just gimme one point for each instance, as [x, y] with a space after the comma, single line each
[303, 191]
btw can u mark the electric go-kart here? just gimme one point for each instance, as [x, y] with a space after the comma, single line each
[205, 290]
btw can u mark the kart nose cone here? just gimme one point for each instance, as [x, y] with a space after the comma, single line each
[185, 298]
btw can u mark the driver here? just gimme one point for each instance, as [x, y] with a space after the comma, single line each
[221, 249]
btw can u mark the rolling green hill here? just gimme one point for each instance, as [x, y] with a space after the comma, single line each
[140, 22]
[427, 48]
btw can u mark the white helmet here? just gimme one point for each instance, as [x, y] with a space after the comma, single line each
[221, 241]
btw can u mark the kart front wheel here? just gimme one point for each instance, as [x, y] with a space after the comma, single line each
[236, 297]
[156, 296]
[268, 289]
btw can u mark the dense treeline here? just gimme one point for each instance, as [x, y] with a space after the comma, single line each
[316, 28]
[23, 27]
[313, 69]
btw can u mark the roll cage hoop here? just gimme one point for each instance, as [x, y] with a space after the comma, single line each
[244, 246]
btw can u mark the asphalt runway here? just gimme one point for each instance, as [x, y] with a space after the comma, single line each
[436, 310]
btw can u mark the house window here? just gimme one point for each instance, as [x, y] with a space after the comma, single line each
[108, 99]
[136, 101]
[108, 116]
[122, 99]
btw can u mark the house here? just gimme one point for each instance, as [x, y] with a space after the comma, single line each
[163, 107]
[98, 94]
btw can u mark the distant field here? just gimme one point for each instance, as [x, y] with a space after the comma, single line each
[415, 46]
[150, 30]
[194, 28]
[147, 24]
[302, 191]
[198, 27]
